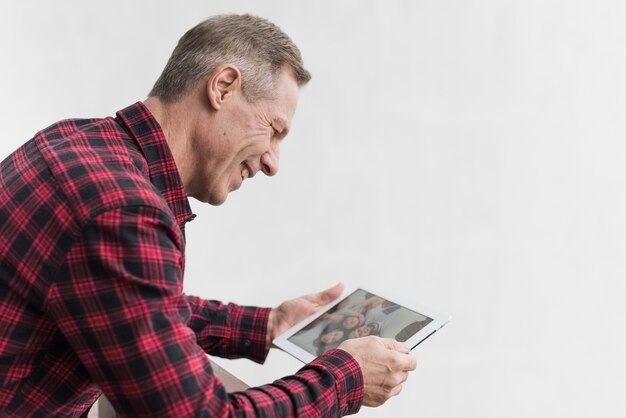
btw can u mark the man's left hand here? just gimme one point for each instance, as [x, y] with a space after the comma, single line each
[293, 311]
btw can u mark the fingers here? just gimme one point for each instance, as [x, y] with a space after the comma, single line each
[400, 362]
[405, 360]
[376, 395]
[395, 391]
[392, 344]
[411, 363]
[396, 354]
[385, 364]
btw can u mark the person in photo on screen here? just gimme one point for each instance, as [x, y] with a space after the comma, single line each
[372, 328]
[347, 320]
[334, 335]
[330, 337]
[311, 336]
[93, 215]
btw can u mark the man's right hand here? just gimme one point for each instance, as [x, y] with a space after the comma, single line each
[385, 364]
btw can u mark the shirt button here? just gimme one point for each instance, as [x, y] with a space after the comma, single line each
[246, 345]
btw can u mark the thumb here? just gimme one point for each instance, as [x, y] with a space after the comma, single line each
[392, 344]
[330, 294]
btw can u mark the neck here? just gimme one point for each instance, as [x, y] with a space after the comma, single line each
[176, 120]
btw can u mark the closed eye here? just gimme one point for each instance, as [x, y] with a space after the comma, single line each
[275, 132]
[279, 129]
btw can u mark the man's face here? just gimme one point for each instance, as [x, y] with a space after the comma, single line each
[242, 140]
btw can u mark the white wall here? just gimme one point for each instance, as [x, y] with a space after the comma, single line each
[468, 152]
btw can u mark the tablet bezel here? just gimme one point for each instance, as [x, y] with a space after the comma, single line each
[438, 321]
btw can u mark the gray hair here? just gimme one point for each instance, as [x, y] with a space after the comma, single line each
[257, 47]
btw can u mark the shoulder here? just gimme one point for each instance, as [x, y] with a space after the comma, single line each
[97, 166]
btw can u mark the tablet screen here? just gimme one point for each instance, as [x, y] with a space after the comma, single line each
[359, 314]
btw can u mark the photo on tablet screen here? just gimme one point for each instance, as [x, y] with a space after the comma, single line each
[358, 315]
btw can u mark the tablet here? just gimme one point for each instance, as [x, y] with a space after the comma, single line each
[358, 313]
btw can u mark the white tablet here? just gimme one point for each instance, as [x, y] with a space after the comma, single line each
[358, 313]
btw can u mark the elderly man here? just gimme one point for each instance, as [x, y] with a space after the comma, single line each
[92, 249]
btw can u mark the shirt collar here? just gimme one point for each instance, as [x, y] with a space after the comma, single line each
[147, 133]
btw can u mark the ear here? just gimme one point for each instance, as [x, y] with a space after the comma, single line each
[224, 81]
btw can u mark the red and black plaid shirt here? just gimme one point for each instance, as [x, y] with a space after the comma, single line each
[92, 216]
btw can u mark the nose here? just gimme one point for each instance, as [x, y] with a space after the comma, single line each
[269, 160]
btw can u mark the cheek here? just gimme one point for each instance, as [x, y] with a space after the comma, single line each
[257, 146]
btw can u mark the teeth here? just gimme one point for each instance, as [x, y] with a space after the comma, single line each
[244, 173]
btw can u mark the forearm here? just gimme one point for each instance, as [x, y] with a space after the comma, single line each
[161, 371]
[174, 378]
[137, 336]
[330, 386]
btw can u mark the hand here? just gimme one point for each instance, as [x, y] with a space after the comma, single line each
[293, 311]
[385, 364]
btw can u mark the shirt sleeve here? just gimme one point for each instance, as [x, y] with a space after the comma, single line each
[118, 302]
[229, 330]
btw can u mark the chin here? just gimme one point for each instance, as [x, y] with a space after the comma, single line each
[214, 196]
[212, 200]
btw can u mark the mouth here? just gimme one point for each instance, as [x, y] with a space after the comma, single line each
[245, 171]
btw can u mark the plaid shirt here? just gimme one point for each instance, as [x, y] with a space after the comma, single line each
[92, 244]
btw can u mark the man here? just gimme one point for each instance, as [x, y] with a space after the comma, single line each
[92, 218]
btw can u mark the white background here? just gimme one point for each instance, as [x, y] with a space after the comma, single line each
[468, 154]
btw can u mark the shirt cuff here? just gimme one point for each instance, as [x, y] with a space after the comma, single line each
[248, 332]
[348, 379]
